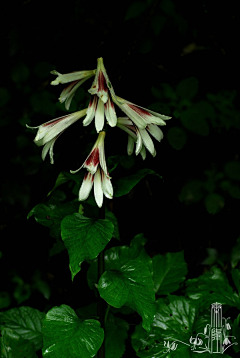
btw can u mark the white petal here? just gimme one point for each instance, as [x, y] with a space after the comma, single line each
[139, 143]
[86, 186]
[90, 111]
[130, 130]
[110, 113]
[124, 121]
[103, 163]
[99, 116]
[133, 115]
[69, 92]
[98, 192]
[147, 141]
[155, 131]
[143, 152]
[130, 145]
[106, 186]
[51, 129]
[69, 77]
[46, 148]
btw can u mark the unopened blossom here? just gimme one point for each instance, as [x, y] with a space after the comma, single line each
[140, 136]
[101, 105]
[77, 78]
[48, 132]
[97, 173]
[140, 116]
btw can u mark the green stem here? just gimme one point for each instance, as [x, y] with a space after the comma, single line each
[101, 269]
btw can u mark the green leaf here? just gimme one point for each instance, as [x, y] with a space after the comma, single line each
[177, 137]
[187, 88]
[212, 286]
[128, 279]
[169, 272]
[13, 346]
[116, 334]
[236, 278]
[135, 10]
[62, 178]
[214, 203]
[51, 215]
[84, 238]
[174, 320]
[112, 162]
[157, 24]
[111, 217]
[65, 335]
[124, 185]
[26, 322]
[195, 121]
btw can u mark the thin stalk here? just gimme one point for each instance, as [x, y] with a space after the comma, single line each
[101, 269]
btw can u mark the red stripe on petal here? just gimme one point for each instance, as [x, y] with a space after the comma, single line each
[102, 82]
[50, 124]
[93, 158]
[140, 111]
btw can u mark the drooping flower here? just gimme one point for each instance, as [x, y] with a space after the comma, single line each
[101, 83]
[99, 110]
[77, 78]
[48, 132]
[139, 115]
[96, 174]
[101, 104]
[140, 136]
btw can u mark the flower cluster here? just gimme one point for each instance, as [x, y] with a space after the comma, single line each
[139, 124]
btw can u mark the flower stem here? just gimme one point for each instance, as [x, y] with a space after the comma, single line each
[101, 269]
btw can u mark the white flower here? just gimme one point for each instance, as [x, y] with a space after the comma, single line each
[101, 83]
[77, 78]
[226, 341]
[140, 136]
[48, 132]
[97, 175]
[139, 115]
[100, 110]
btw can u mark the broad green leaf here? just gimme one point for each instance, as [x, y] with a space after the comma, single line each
[214, 203]
[124, 185]
[177, 137]
[174, 320]
[169, 272]
[111, 217]
[51, 215]
[195, 121]
[65, 335]
[84, 238]
[62, 178]
[128, 279]
[116, 334]
[187, 88]
[14, 346]
[236, 278]
[115, 330]
[26, 322]
[212, 286]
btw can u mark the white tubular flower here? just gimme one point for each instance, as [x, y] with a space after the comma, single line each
[48, 132]
[77, 78]
[140, 136]
[101, 83]
[99, 110]
[96, 175]
[139, 115]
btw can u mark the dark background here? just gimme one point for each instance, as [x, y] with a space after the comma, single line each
[144, 45]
